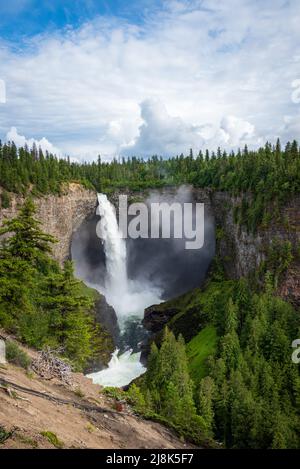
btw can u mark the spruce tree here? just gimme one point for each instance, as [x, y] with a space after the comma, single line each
[26, 241]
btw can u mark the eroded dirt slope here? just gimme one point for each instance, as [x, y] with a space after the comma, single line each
[29, 416]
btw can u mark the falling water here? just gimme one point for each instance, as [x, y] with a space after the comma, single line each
[116, 282]
[128, 298]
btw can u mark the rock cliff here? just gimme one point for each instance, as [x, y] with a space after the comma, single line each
[243, 252]
[60, 215]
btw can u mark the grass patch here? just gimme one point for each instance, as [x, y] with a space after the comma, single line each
[27, 440]
[15, 355]
[89, 292]
[199, 349]
[30, 374]
[90, 428]
[4, 435]
[78, 392]
[53, 439]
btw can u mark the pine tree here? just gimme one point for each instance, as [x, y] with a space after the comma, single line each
[169, 382]
[70, 320]
[231, 321]
[27, 241]
[207, 391]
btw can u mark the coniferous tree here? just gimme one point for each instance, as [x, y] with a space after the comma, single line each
[28, 241]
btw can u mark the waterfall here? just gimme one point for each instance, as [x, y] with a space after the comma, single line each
[116, 282]
[128, 298]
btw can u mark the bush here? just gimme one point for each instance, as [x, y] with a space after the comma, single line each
[16, 355]
[136, 399]
[53, 439]
[5, 200]
[4, 435]
[114, 393]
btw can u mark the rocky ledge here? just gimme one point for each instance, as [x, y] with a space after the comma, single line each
[156, 317]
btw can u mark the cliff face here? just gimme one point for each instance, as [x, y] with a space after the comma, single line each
[243, 252]
[60, 215]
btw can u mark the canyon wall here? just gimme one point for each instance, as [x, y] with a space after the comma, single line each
[243, 252]
[61, 215]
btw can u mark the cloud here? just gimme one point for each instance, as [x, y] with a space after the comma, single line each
[236, 130]
[165, 135]
[81, 88]
[21, 140]
[161, 133]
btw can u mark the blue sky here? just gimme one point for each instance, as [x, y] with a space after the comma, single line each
[21, 19]
[144, 77]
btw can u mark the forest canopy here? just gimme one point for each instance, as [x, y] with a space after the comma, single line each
[267, 174]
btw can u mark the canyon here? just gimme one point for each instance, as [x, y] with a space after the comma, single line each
[241, 252]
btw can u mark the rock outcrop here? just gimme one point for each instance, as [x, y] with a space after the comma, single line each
[60, 215]
[106, 315]
[243, 252]
[156, 317]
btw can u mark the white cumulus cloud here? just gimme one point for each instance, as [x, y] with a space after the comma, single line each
[236, 130]
[161, 133]
[21, 140]
[165, 135]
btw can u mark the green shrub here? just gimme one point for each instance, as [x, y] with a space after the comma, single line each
[114, 393]
[137, 399]
[4, 435]
[5, 200]
[79, 393]
[16, 355]
[53, 439]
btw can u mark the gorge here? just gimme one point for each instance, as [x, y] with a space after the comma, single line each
[136, 274]
[157, 270]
